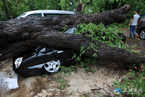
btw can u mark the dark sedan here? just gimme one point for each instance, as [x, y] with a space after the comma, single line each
[42, 60]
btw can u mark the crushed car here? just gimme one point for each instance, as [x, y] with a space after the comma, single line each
[42, 60]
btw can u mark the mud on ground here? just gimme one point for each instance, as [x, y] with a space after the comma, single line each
[78, 83]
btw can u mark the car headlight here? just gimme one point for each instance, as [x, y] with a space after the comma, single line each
[18, 62]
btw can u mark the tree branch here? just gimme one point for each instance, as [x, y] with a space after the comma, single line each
[86, 4]
[37, 31]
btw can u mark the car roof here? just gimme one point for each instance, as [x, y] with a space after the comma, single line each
[46, 11]
[50, 11]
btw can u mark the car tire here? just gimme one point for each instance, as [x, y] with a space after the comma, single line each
[51, 67]
[142, 34]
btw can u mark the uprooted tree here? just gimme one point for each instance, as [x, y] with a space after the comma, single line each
[18, 36]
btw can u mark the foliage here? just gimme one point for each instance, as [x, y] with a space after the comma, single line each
[86, 64]
[44, 75]
[67, 70]
[62, 81]
[11, 8]
[94, 32]
[25, 6]
[132, 81]
[133, 84]
[100, 33]
[54, 4]
[65, 5]
[121, 25]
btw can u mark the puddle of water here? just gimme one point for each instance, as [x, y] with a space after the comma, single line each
[12, 83]
[7, 83]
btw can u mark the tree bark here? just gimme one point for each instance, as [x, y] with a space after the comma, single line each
[18, 36]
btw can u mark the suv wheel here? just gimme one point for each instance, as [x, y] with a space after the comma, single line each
[142, 34]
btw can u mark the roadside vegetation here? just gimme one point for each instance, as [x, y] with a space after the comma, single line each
[134, 84]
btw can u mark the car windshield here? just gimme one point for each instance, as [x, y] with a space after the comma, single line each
[21, 15]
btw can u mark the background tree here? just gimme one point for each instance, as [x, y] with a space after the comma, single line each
[5, 6]
[18, 7]
[54, 4]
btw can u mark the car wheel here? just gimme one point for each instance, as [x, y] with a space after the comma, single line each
[52, 67]
[142, 34]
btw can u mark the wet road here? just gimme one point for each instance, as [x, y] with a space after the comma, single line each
[140, 44]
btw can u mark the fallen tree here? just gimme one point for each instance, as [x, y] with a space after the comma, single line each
[18, 36]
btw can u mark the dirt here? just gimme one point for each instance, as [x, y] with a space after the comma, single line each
[79, 83]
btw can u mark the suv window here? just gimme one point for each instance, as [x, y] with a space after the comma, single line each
[36, 14]
[50, 15]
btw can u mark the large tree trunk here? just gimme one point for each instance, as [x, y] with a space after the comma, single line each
[18, 36]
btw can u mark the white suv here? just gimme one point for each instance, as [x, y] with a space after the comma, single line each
[45, 13]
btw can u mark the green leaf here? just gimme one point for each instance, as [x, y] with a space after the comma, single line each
[62, 86]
